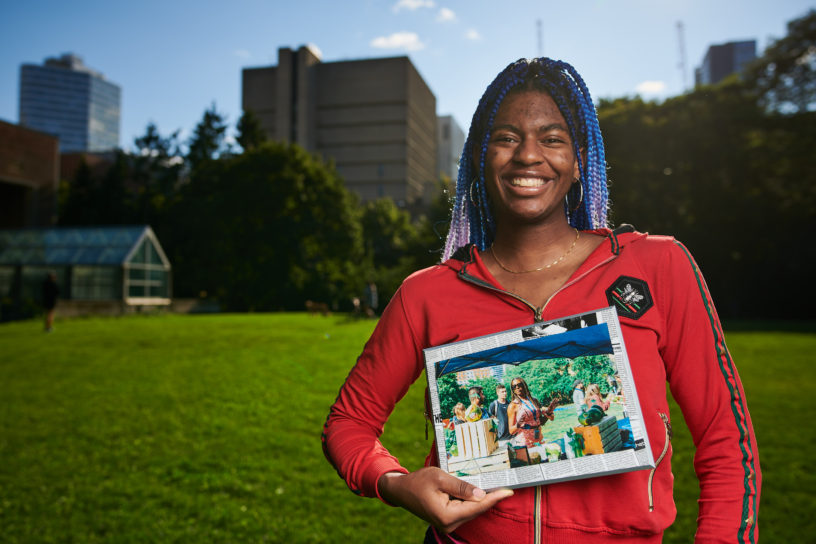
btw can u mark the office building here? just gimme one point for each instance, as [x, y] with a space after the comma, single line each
[374, 118]
[29, 176]
[723, 60]
[65, 98]
[451, 140]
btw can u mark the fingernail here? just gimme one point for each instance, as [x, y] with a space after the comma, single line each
[478, 493]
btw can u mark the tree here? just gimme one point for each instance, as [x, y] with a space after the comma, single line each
[727, 178]
[77, 197]
[155, 146]
[397, 245]
[208, 138]
[450, 393]
[97, 193]
[785, 75]
[250, 134]
[274, 227]
[155, 174]
[389, 237]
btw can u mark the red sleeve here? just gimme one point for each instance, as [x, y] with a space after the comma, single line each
[704, 382]
[391, 361]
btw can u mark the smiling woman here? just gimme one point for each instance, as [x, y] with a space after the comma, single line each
[529, 242]
[530, 164]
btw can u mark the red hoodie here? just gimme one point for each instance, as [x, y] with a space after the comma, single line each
[672, 333]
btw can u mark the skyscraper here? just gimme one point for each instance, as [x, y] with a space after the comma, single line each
[375, 118]
[65, 98]
[451, 140]
[723, 60]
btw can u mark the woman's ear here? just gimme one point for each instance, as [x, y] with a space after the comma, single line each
[577, 171]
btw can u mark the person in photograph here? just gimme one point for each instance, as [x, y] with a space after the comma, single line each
[529, 241]
[594, 398]
[476, 410]
[595, 406]
[578, 396]
[459, 414]
[614, 385]
[525, 414]
[498, 410]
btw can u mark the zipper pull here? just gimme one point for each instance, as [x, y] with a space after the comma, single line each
[669, 430]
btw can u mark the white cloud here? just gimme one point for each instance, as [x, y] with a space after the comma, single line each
[473, 35]
[409, 41]
[242, 53]
[445, 15]
[651, 87]
[413, 5]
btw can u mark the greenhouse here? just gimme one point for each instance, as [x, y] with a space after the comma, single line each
[123, 263]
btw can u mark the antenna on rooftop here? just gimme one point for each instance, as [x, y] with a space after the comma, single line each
[681, 41]
[540, 39]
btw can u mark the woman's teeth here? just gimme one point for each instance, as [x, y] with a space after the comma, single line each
[527, 182]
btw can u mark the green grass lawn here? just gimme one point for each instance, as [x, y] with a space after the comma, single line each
[206, 429]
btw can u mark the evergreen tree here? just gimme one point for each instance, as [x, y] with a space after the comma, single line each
[77, 198]
[208, 138]
[250, 134]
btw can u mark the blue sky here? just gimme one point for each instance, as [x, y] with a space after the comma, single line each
[173, 58]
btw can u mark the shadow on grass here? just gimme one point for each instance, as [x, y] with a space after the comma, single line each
[757, 325]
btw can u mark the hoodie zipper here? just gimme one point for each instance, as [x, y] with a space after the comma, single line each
[538, 312]
[668, 428]
[538, 514]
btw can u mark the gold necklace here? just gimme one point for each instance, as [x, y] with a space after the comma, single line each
[555, 262]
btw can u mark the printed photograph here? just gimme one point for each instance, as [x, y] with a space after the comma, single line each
[555, 395]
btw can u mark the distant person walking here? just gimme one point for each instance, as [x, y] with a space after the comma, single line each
[371, 299]
[50, 293]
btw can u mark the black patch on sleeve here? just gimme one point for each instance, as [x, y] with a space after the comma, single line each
[630, 297]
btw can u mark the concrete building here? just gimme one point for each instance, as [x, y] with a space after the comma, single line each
[65, 98]
[29, 177]
[375, 118]
[451, 141]
[723, 60]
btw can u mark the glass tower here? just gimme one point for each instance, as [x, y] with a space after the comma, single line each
[65, 98]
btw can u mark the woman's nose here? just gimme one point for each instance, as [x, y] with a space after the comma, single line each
[528, 152]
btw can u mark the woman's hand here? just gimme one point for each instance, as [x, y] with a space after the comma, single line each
[437, 497]
[549, 411]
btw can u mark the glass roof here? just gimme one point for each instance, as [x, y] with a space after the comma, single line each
[69, 246]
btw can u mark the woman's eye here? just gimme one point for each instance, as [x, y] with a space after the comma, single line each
[504, 138]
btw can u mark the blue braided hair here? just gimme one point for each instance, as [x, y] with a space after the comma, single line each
[471, 218]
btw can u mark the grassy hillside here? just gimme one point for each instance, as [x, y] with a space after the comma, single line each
[206, 429]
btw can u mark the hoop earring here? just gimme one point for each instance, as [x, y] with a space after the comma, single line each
[580, 199]
[473, 199]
